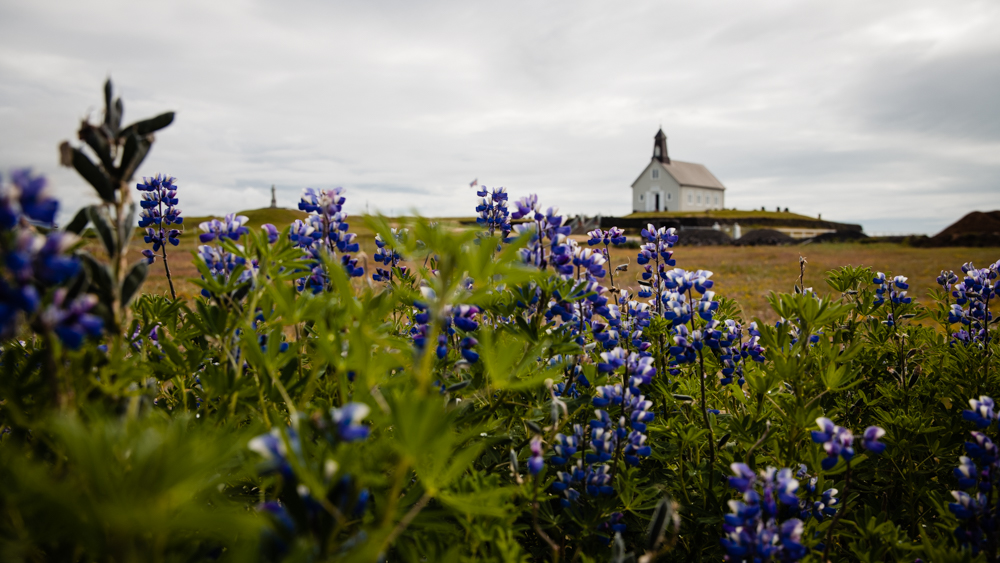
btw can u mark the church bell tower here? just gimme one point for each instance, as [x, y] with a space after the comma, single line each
[660, 147]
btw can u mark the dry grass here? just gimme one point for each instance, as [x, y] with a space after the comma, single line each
[746, 274]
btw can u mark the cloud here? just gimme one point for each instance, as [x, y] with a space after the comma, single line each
[864, 112]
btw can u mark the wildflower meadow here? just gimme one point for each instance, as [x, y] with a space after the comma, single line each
[467, 394]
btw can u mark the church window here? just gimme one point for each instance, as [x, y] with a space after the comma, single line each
[699, 198]
[668, 196]
[640, 197]
[689, 198]
[656, 174]
[716, 200]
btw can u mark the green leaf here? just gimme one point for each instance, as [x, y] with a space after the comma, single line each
[97, 140]
[477, 503]
[79, 222]
[104, 229]
[135, 151]
[133, 280]
[101, 278]
[127, 227]
[147, 126]
[94, 175]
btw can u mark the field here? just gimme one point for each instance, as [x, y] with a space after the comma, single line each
[722, 214]
[746, 274]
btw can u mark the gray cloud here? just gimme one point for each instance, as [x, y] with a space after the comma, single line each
[879, 113]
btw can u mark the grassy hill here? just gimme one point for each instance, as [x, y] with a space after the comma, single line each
[720, 214]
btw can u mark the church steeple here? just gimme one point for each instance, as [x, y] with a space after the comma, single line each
[660, 147]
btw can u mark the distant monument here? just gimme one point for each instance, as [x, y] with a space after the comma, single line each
[274, 200]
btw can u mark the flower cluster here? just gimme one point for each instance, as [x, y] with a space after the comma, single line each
[324, 235]
[895, 288]
[26, 199]
[838, 442]
[159, 212]
[297, 511]
[610, 437]
[222, 263]
[34, 263]
[813, 505]
[754, 531]
[455, 328]
[492, 212]
[546, 232]
[654, 257]
[387, 255]
[972, 304]
[977, 471]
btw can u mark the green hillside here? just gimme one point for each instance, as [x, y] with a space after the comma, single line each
[721, 214]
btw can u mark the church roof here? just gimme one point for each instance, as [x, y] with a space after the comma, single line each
[688, 174]
[692, 174]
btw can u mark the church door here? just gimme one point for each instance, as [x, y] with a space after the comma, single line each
[657, 202]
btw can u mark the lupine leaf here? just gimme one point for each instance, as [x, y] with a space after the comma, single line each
[94, 175]
[133, 280]
[105, 232]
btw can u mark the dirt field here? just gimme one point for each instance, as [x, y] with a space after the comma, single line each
[746, 274]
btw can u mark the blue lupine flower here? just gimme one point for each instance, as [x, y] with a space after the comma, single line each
[589, 262]
[273, 449]
[947, 279]
[566, 446]
[221, 263]
[387, 255]
[72, 321]
[870, 439]
[324, 232]
[977, 515]
[348, 421]
[272, 232]
[547, 243]
[492, 212]
[232, 227]
[614, 236]
[972, 296]
[635, 447]
[753, 531]
[982, 412]
[613, 359]
[837, 442]
[981, 449]
[967, 473]
[608, 395]
[27, 196]
[536, 462]
[159, 211]
[613, 525]
[686, 344]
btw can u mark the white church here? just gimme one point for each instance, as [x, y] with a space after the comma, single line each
[672, 185]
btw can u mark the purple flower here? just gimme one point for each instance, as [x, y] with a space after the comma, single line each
[72, 321]
[837, 442]
[272, 232]
[870, 439]
[33, 199]
[232, 227]
[981, 413]
[348, 421]
[536, 462]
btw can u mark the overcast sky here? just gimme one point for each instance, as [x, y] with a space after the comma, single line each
[884, 113]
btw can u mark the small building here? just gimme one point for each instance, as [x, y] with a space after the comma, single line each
[672, 185]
